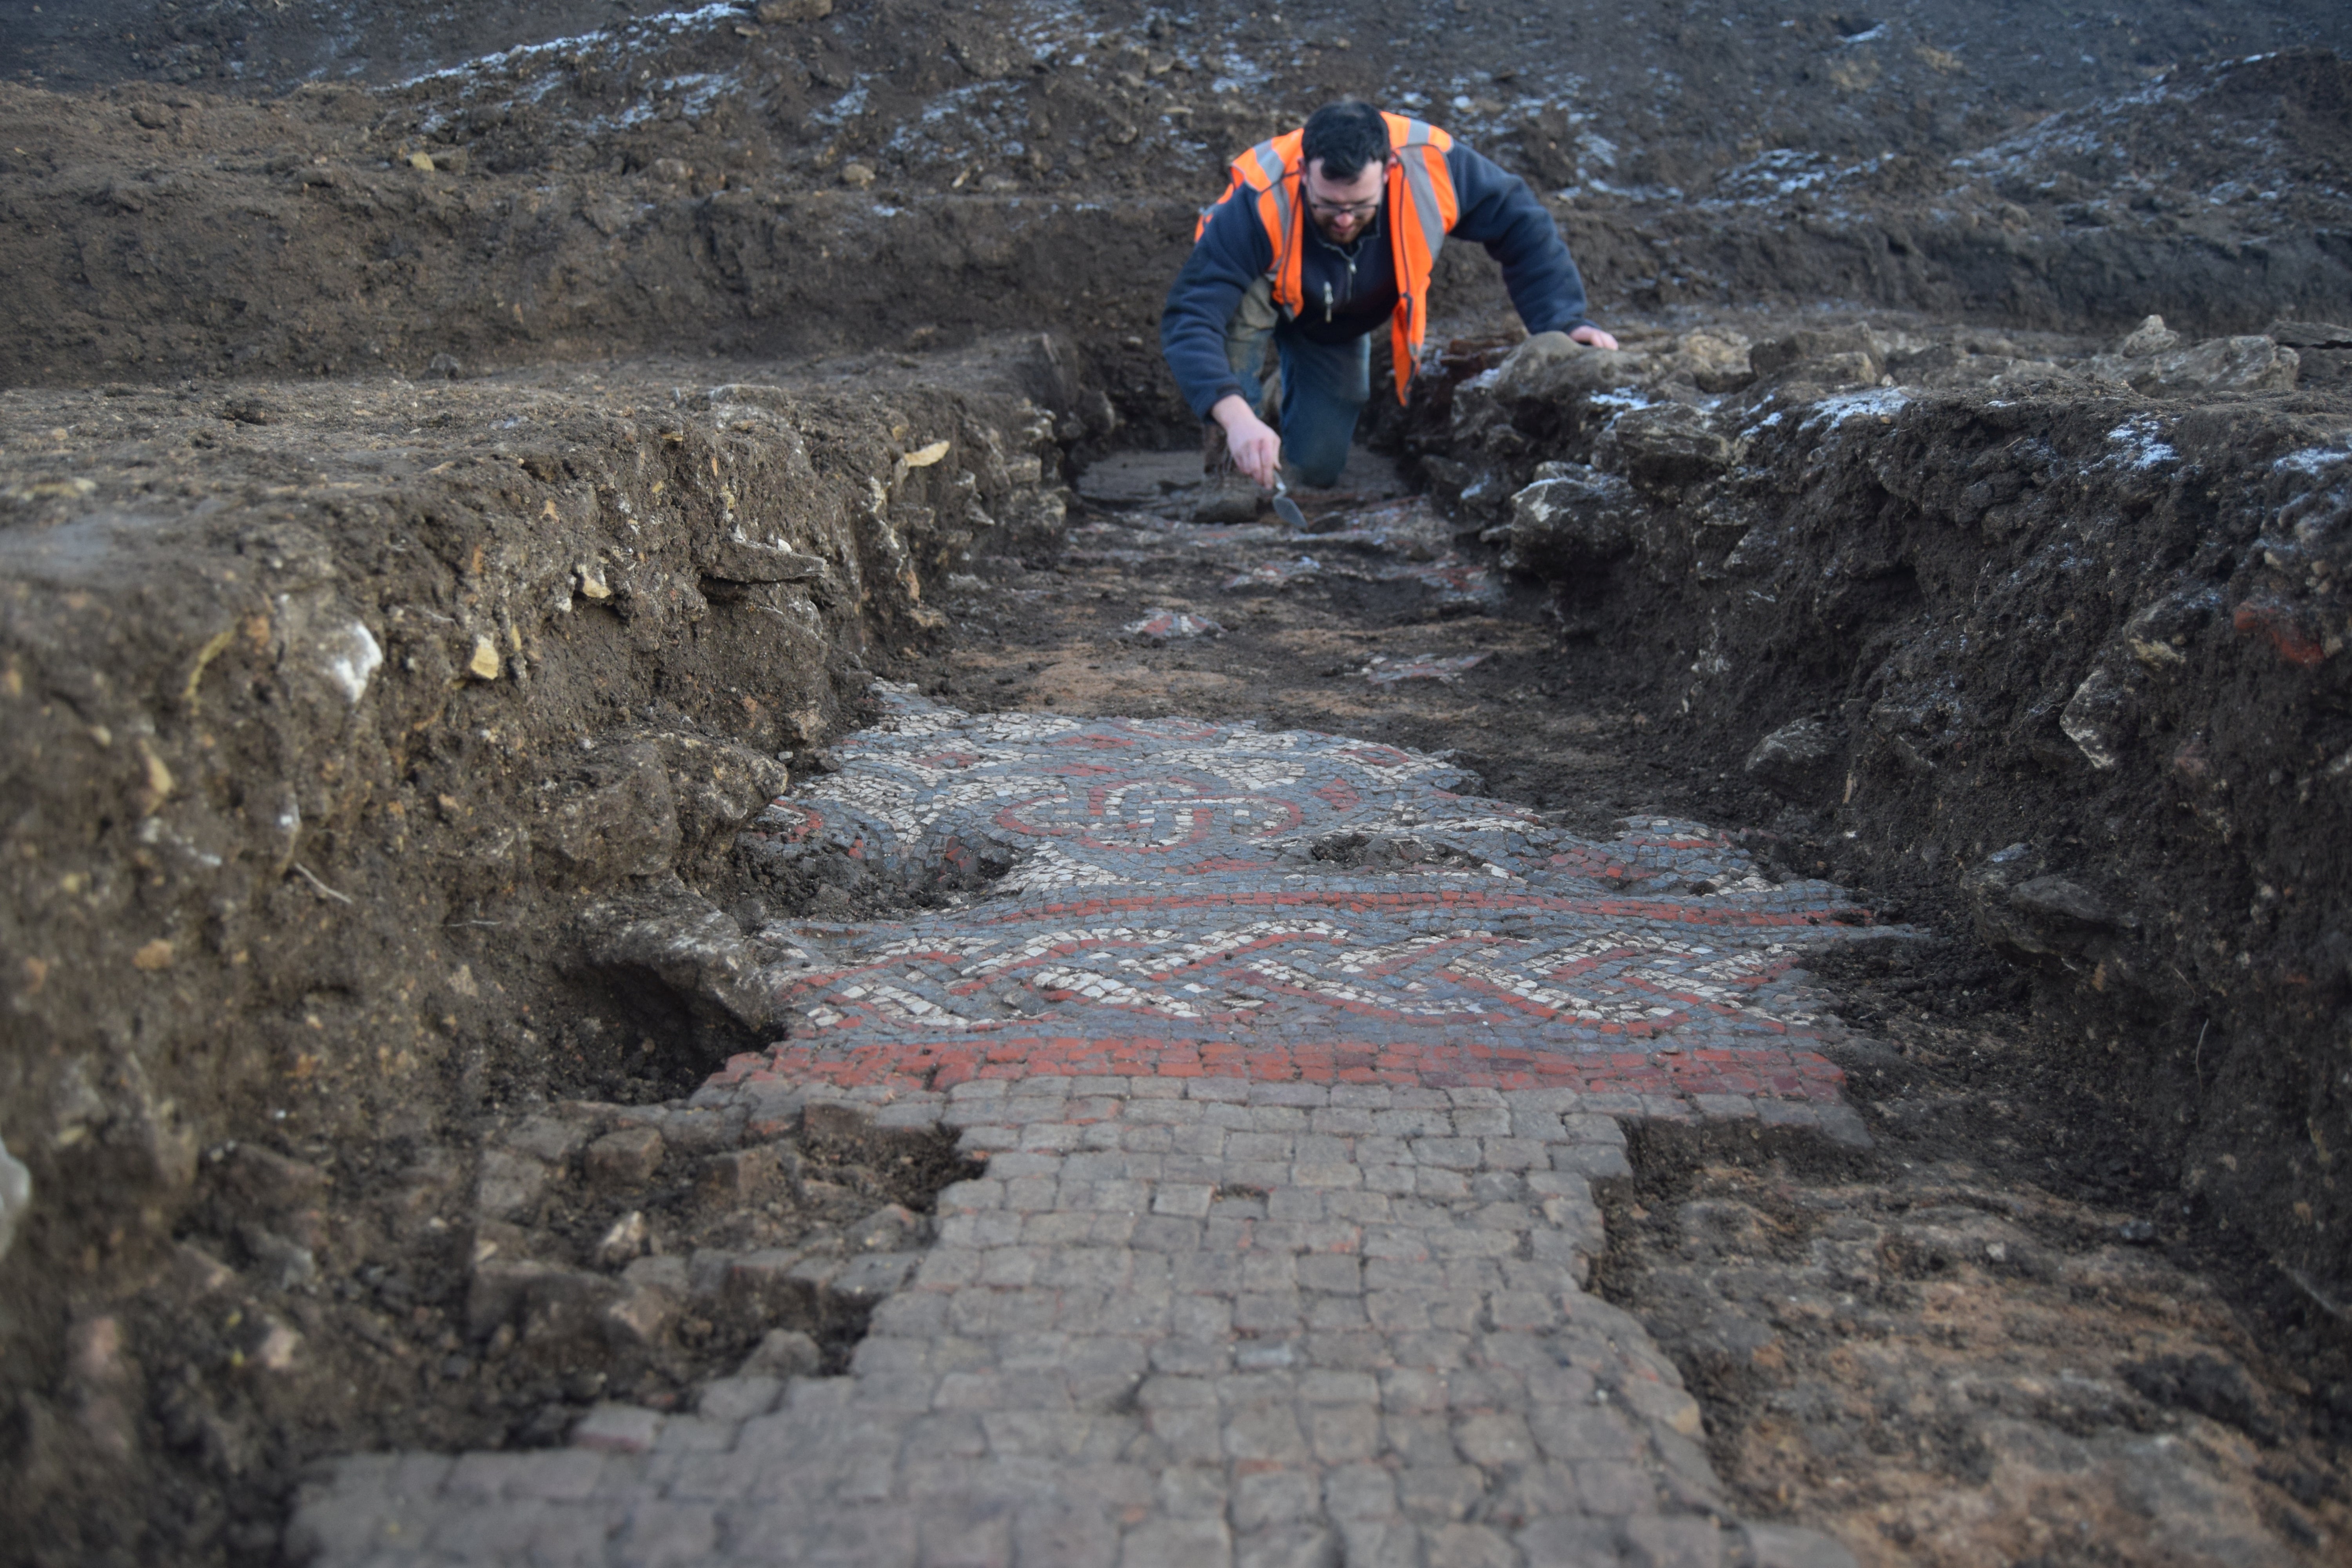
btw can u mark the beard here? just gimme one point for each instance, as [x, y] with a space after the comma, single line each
[1353, 235]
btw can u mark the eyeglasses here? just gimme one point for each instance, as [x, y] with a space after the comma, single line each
[1343, 209]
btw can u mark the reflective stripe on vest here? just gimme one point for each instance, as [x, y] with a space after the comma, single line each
[1421, 209]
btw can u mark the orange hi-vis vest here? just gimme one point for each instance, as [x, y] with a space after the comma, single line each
[1419, 208]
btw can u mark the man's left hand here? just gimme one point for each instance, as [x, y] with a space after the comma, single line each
[1593, 337]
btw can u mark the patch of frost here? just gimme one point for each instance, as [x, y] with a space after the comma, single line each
[2314, 461]
[673, 21]
[2143, 449]
[1835, 411]
[848, 104]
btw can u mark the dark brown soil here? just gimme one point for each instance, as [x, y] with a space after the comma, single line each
[681, 185]
[328, 318]
[1941, 1360]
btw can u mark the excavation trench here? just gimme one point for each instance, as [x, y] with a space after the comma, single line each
[2027, 641]
[391, 859]
[1948, 618]
[387, 894]
[386, 886]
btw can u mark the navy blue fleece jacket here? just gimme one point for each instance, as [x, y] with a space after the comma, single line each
[1343, 301]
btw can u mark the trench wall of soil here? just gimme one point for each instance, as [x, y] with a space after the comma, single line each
[2064, 656]
[355, 737]
[328, 272]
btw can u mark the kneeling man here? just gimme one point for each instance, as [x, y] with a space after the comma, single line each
[1324, 233]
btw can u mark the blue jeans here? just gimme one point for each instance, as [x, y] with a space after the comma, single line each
[1324, 387]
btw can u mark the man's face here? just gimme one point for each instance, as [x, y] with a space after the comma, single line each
[1344, 209]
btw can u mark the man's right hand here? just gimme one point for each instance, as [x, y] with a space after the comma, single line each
[1257, 449]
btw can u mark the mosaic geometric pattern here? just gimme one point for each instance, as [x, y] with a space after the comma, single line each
[1292, 1064]
[1174, 897]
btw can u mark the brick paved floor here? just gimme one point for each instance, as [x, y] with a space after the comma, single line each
[1292, 1067]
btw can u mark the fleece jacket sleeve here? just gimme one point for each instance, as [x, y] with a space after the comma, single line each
[1499, 211]
[1233, 253]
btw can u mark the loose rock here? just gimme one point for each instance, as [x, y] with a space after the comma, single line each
[782, 1353]
[1802, 760]
[1573, 520]
[623, 1159]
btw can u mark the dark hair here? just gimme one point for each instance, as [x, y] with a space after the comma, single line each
[1347, 136]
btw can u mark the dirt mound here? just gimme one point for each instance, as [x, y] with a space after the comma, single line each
[706, 179]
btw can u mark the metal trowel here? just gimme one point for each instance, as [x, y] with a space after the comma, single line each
[1286, 509]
